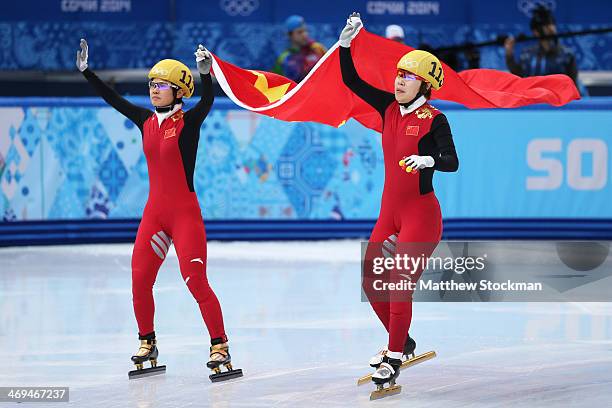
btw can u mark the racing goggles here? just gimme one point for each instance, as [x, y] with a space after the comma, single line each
[408, 76]
[162, 86]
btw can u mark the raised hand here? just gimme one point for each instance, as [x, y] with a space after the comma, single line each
[81, 61]
[203, 60]
[353, 24]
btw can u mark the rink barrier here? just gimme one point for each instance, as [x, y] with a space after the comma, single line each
[60, 232]
[466, 223]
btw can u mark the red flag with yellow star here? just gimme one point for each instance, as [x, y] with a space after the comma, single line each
[256, 88]
[322, 96]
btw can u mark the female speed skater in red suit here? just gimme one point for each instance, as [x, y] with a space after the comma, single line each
[416, 141]
[172, 213]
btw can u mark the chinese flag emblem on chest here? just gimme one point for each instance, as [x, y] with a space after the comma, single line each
[412, 130]
[168, 133]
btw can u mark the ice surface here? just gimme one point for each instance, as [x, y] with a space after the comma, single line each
[297, 328]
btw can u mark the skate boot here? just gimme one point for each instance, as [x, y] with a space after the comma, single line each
[385, 363]
[409, 348]
[219, 355]
[147, 352]
[386, 373]
[378, 357]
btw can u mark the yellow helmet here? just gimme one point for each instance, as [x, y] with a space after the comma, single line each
[174, 72]
[425, 65]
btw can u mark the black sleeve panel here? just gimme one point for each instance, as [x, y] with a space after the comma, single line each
[377, 98]
[190, 135]
[437, 143]
[135, 113]
[188, 145]
[196, 115]
[446, 159]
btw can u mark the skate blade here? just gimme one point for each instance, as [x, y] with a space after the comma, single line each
[226, 375]
[408, 363]
[385, 392]
[147, 372]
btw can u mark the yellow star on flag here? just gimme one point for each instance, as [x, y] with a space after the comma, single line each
[273, 94]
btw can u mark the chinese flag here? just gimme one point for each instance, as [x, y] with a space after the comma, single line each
[322, 97]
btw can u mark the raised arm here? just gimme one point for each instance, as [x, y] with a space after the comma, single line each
[133, 112]
[377, 98]
[198, 113]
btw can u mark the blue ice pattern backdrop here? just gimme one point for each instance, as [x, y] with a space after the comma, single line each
[79, 159]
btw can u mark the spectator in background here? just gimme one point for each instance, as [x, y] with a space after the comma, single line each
[545, 58]
[303, 53]
[469, 58]
[395, 33]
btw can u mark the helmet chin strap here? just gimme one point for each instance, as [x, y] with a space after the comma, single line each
[164, 109]
[407, 104]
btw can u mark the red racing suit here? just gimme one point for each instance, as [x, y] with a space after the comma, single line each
[410, 221]
[172, 212]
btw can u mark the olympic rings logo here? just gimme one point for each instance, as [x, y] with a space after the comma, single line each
[527, 6]
[239, 7]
